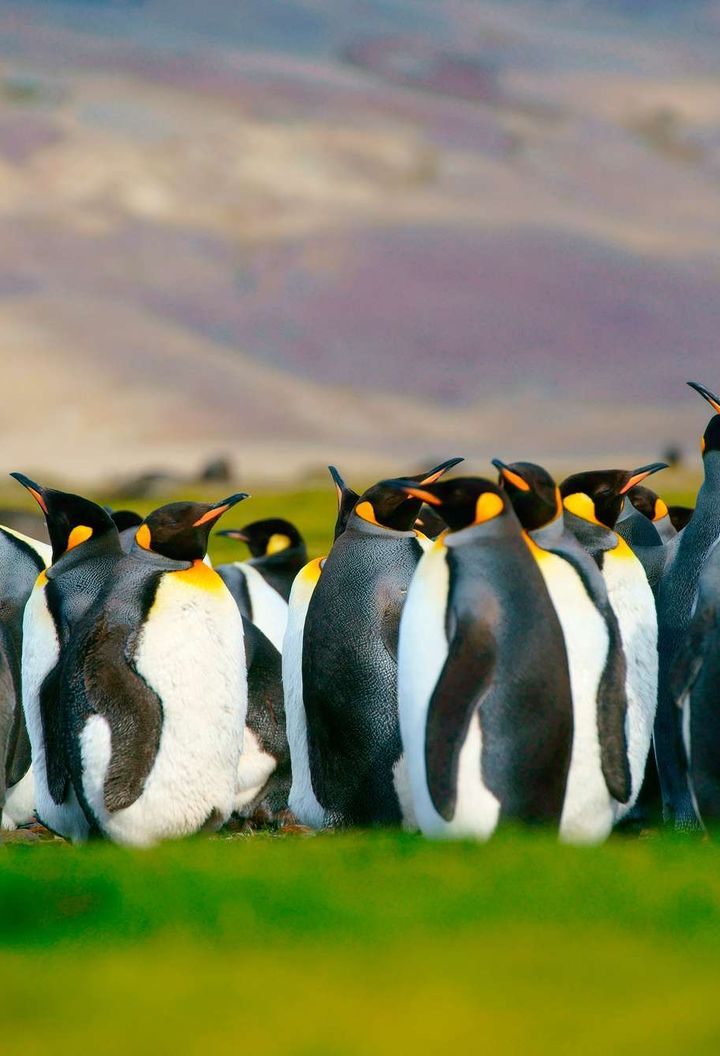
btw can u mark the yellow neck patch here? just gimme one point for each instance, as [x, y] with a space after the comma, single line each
[582, 506]
[201, 577]
[489, 505]
[276, 543]
[80, 534]
[537, 552]
[41, 580]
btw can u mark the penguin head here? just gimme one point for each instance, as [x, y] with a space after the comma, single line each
[346, 499]
[647, 503]
[125, 519]
[180, 530]
[532, 491]
[265, 538]
[71, 519]
[390, 507]
[461, 502]
[599, 494]
[429, 522]
[711, 437]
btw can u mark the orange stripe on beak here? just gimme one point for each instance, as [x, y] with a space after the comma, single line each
[216, 511]
[424, 496]
[39, 499]
[515, 478]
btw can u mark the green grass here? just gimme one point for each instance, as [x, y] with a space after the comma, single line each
[362, 943]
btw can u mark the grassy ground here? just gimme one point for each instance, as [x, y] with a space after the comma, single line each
[361, 943]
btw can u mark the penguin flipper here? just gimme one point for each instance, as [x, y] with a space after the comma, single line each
[115, 690]
[53, 727]
[611, 716]
[691, 655]
[463, 681]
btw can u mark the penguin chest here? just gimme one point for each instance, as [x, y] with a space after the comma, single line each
[634, 605]
[269, 609]
[588, 807]
[190, 652]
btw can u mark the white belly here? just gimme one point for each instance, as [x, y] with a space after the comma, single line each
[40, 654]
[588, 808]
[191, 653]
[19, 806]
[255, 769]
[422, 651]
[302, 800]
[634, 605]
[269, 609]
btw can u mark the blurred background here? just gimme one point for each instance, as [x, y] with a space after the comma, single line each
[281, 233]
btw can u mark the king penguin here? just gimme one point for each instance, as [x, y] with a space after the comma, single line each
[676, 598]
[155, 688]
[655, 510]
[348, 668]
[592, 503]
[600, 782]
[21, 561]
[85, 550]
[693, 689]
[484, 687]
[261, 586]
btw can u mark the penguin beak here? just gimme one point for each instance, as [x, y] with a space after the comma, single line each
[338, 481]
[36, 490]
[436, 473]
[639, 475]
[412, 491]
[233, 533]
[512, 478]
[219, 508]
[706, 395]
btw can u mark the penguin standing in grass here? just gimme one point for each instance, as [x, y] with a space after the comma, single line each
[676, 599]
[599, 782]
[484, 687]
[154, 686]
[261, 586]
[21, 561]
[85, 550]
[592, 504]
[348, 668]
[303, 801]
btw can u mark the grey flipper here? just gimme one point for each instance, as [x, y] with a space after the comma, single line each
[266, 718]
[635, 528]
[470, 663]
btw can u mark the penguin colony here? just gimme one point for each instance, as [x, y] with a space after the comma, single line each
[470, 651]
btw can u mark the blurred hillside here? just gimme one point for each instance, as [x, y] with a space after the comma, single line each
[361, 232]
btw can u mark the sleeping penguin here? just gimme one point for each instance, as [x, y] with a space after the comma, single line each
[154, 687]
[484, 686]
[346, 673]
[21, 561]
[85, 551]
[261, 586]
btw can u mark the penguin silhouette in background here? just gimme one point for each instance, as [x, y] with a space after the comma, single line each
[693, 688]
[654, 509]
[484, 687]
[603, 782]
[154, 686]
[21, 561]
[127, 522]
[680, 516]
[592, 501]
[676, 597]
[261, 586]
[634, 527]
[343, 681]
[85, 550]
[429, 522]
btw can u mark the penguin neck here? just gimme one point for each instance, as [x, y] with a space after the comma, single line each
[359, 524]
[105, 544]
[627, 511]
[158, 561]
[703, 530]
[292, 559]
[550, 534]
[496, 528]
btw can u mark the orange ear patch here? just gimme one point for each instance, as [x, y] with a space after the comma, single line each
[582, 506]
[489, 505]
[366, 511]
[143, 537]
[80, 534]
[661, 510]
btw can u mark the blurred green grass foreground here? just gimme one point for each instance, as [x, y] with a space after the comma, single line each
[361, 943]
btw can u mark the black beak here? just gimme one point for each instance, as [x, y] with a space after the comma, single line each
[711, 398]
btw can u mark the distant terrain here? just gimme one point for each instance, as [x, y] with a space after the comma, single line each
[368, 233]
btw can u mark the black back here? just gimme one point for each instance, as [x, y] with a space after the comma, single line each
[350, 672]
[507, 663]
